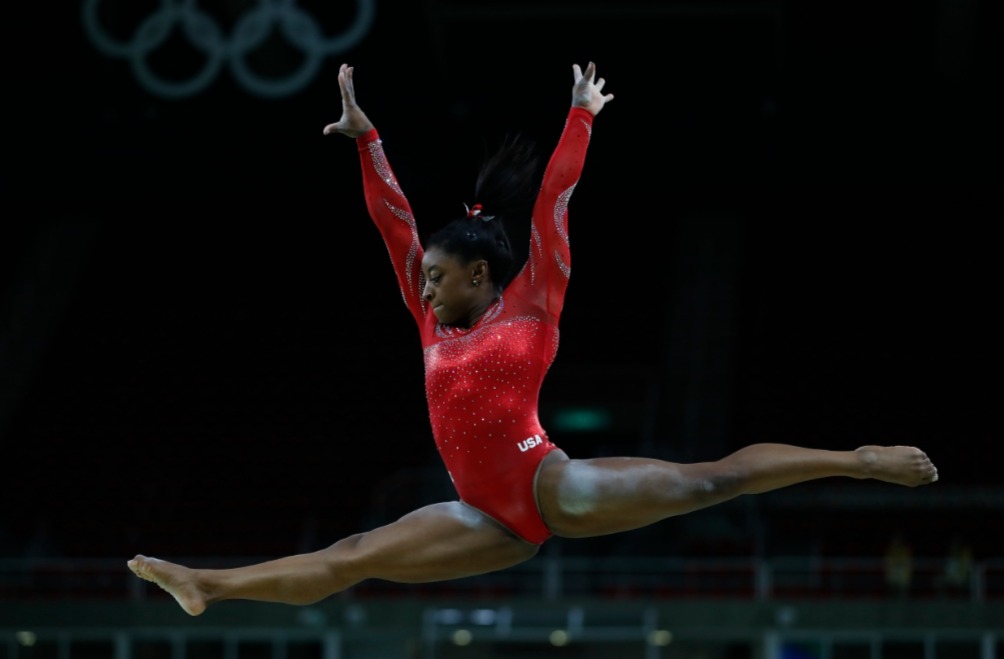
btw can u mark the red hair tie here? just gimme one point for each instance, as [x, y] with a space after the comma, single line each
[473, 211]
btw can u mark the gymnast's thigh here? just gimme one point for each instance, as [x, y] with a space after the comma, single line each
[439, 541]
[599, 496]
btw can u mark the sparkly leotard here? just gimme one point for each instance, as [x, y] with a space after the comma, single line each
[482, 383]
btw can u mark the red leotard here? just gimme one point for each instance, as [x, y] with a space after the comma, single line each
[482, 383]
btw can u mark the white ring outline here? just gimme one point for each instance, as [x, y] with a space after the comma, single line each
[296, 26]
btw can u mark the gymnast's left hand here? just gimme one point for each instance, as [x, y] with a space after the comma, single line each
[587, 92]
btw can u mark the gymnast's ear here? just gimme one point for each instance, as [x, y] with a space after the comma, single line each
[480, 270]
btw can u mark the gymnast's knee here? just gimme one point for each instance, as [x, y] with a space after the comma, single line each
[718, 485]
[344, 553]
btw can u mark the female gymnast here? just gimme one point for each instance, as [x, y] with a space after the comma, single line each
[489, 330]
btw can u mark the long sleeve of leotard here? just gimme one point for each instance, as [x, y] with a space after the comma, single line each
[545, 275]
[391, 212]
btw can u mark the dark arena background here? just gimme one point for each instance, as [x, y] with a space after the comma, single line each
[787, 229]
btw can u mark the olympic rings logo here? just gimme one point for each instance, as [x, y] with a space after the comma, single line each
[296, 26]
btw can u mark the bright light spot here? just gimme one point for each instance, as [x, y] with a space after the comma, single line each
[483, 616]
[660, 637]
[27, 639]
[581, 419]
[449, 616]
[461, 637]
[559, 637]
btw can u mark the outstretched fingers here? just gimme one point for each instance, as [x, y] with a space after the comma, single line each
[589, 74]
[587, 92]
[348, 99]
[353, 121]
[347, 85]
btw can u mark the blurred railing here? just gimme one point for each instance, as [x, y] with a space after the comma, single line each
[557, 577]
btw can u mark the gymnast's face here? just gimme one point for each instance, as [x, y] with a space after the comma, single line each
[454, 291]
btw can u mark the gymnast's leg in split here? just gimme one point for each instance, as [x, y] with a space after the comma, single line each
[441, 541]
[577, 499]
[600, 496]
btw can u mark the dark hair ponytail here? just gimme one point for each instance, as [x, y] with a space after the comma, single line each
[505, 190]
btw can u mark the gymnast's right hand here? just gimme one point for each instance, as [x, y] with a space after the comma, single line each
[354, 121]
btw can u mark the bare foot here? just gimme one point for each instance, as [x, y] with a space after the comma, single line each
[903, 465]
[177, 580]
